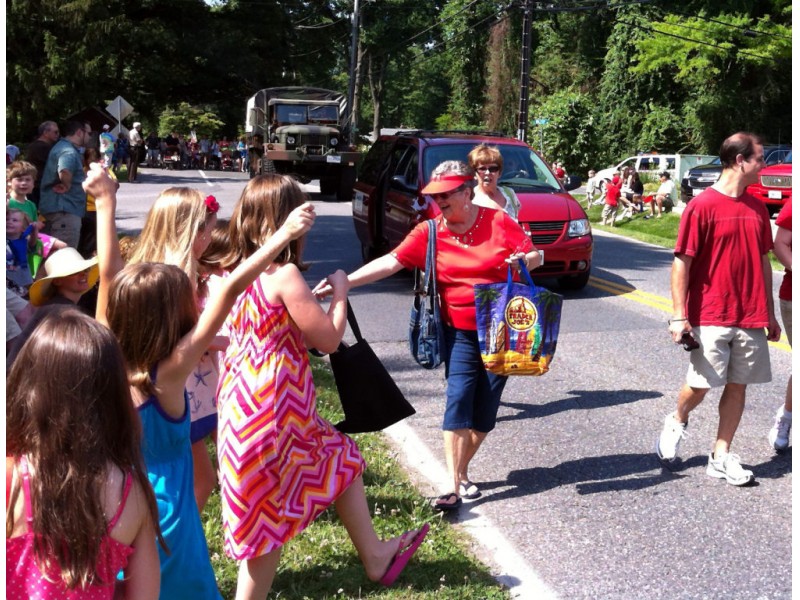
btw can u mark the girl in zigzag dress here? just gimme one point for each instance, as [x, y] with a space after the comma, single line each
[281, 464]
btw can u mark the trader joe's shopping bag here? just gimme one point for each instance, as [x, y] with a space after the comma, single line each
[517, 326]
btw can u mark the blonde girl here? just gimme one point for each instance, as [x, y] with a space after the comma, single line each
[151, 309]
[80, 506]
[177, 230]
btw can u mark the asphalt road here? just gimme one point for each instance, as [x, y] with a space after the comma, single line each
[575, 504]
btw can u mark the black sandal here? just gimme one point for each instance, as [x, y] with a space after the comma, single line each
[444, 502]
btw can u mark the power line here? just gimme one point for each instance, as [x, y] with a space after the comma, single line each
[746, 29]
[596, 5]
[426, 55]
[645, 28]
[427, 29]
[326, 48]
[321, 25]
[593, 5]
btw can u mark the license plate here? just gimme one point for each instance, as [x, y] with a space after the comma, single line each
[697, 191]
[774, 194]
[358, 203]
[334, 158]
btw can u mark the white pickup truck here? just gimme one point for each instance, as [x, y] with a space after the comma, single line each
[650, 165]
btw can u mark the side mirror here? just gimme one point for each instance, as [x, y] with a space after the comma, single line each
[399, 181]
[573, 182]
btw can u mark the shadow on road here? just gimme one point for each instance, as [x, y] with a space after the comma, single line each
[590, 475]
[779, 465]
[579, 400]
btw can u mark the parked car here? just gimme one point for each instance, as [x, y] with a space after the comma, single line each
[702, 176]
[774, 186]
[650, 165]
[387, 198]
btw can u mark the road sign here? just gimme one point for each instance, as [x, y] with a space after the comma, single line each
[541, 121]
[119, 109]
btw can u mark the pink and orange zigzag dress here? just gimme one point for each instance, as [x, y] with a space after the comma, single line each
[280, 463]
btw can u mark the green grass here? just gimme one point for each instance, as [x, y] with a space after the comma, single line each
[322, 563]
[661, 232]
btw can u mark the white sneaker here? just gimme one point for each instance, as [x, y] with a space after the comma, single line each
[728, 467]
[670, 439]
[779, 434]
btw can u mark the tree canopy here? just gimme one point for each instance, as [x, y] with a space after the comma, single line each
[611, 78]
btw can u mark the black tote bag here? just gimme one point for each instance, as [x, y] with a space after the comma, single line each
[425, 330]
[370, 398]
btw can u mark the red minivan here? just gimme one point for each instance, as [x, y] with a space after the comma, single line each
[387, 199]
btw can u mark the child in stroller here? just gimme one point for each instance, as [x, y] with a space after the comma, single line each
[226, 152]
[172, 158]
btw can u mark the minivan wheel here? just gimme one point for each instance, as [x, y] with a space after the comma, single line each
[574, 283]
[368, 253]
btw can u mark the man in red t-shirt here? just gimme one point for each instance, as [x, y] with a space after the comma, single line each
[721, 286]
[779, 434]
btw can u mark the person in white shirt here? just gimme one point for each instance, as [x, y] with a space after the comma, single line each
[592, 188]
[665, 191]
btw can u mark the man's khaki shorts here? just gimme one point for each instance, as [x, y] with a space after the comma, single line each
[786, 317]
[729, 355]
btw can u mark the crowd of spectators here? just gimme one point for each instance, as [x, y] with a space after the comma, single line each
[137, 334]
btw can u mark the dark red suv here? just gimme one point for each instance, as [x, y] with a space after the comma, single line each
[397, 167]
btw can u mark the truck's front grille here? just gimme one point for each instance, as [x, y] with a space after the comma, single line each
[776, 181]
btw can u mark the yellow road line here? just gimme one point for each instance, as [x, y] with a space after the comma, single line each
[656, 301]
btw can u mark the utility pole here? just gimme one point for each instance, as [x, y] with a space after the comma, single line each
[351, 92]
[525, 74]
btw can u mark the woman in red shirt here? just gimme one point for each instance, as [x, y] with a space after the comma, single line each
[475, 244]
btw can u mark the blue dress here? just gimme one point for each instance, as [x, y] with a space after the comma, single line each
[186, 572]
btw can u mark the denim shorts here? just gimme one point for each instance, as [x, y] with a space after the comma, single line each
[473, 393]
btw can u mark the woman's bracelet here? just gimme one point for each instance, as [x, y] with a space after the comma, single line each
[671, 321]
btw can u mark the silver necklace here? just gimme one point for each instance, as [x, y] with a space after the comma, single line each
[465, 240]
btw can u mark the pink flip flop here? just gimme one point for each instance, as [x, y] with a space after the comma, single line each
[403, 555]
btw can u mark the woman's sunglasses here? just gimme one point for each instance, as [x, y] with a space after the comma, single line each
[488, 169]
[446, 195]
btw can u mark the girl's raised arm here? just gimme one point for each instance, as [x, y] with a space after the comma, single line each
[183, 359]
[104, 189]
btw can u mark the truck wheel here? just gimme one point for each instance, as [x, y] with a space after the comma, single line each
[267, 166]
[574, 283]
[327, 186]
[346, 183]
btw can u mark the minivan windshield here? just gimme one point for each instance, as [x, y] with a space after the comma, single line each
[523, 170]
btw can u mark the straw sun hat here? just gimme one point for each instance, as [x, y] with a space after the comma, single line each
[62, 263]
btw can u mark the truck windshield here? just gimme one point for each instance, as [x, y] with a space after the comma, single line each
[291, 114]
[323, 114]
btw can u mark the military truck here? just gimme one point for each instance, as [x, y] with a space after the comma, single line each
[302, 131]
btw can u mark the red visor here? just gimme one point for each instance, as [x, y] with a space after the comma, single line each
[445, 183]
